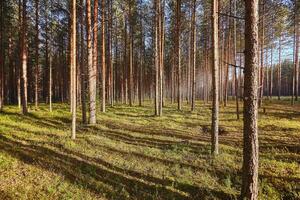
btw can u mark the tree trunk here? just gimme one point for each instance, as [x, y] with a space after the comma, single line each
[24, 60]
[215, 80]
[103, 46]
[279, 70]
[73, 67]
[156, 46]
[235, 63]
[296, 59]
[50, 83]
[261, 84]
[82, 67]
[36, 83]
[178, 54]
[250, 149]
[193, 56]
[91, 67]
[130, 55]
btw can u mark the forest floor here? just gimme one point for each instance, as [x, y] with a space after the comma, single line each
[131, 154]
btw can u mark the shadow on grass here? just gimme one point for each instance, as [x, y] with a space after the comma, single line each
[101, 177]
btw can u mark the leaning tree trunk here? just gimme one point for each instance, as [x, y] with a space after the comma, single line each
[250, 149]
[215, 80]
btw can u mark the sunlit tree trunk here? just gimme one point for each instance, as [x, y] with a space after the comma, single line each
[215, 80]
[235, 62]
[95, 31]
[261, 84]
[24, 59]
[279, 70]
[103, 48]
[250, 148]
[91, 67]
[73, 67]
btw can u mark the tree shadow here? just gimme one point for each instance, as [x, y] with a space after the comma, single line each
[101, 177]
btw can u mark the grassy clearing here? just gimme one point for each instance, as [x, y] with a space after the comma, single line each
[131, 154]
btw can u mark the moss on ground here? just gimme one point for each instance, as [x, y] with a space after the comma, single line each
[131, 154]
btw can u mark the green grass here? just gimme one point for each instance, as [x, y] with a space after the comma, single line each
[130, 154]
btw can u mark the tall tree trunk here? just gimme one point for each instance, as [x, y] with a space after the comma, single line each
[50, 83]
[193, 56]
[36, 83]
[178, 54]
[279, 70]
[250, 149]
[235, 63]
[95, 31]
[271, 75]
[103, 46]
[297, 40]
[261, 84]
[24, 59]
[111, 60]
[156, 44]
[215, 80]
[1, 55]
[161, 55]
[91, 67]
[82, 67]
[73, 67]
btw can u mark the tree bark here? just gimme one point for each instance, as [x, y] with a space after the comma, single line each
[193, 56]
[261, 84]
[279, 70]
[24, 59]
[235, 63]
[250, 149]
[73, 67]
[36, 88]
[82, 67]
[91, 67]
[178, 54]
[215, 80]
[103, 46]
